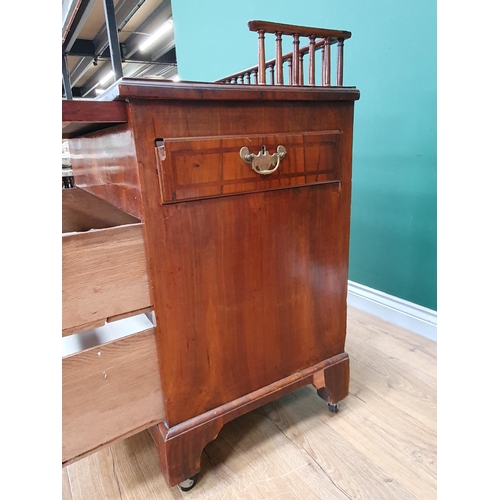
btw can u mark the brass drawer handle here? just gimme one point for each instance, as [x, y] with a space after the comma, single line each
[262, 161]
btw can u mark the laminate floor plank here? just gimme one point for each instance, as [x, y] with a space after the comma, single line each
[66, 487]
[380, 445]
[380, 348]
[418, 350]
[94, 477]
[392, 379]
[405, 457]
[259, 454]
[315, 430]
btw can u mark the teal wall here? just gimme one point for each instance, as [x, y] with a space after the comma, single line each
[391, 59]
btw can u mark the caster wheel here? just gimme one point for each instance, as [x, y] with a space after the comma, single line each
[333, 407]
[188, 484]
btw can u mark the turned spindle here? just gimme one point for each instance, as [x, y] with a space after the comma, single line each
[326, 62]
[295, 59]
[262, 59]
[279, 59]
[340, 62]
[312, 58]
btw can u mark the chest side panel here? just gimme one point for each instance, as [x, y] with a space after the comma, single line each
[249, 274]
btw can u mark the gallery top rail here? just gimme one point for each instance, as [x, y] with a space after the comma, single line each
[290, 29]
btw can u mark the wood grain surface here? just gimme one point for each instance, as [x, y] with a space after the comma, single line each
[104, 274]
[116, 385]
[130, 88]
[209, 167]
[83, 211]
[180, 447]
[378, 446]
[248, 288]
[253, 290]
[289, 29]
[104, 163]
[80, 117]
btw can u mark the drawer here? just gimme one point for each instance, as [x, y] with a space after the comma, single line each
[109, 391]
[104, 274]
[207, 167]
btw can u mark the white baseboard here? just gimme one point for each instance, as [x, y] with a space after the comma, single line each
[400, 312]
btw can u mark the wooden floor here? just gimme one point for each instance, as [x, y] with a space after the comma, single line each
[380, 445]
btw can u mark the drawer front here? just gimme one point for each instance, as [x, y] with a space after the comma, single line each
[207, 167]
[104, 275]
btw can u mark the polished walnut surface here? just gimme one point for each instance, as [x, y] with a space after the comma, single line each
[247, 288]
[84, 116]
[130, 88]
[212, 167]
[247, 273]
